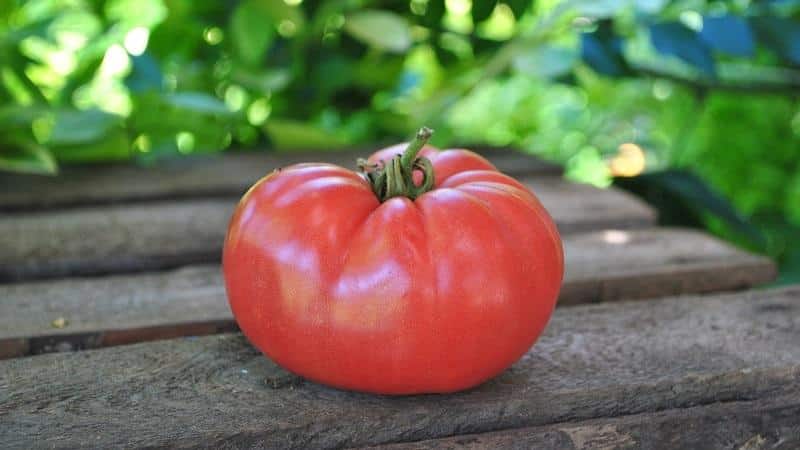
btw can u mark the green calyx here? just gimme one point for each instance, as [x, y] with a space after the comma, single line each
[395, 178]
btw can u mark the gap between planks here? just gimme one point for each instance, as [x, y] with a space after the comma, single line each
[230, 173]
[600, 266]
[163, 235]
[594, 361]
[754, 425]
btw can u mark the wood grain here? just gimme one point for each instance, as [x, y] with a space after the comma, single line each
[168, 234]
[594, 361]
[105, 311]
[227, 174]
[754, 425]
[626, 264]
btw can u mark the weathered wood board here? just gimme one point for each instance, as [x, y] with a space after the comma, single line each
[228, 174]
[105, 311]
[754, 425]
[595, 361]
[159, 235]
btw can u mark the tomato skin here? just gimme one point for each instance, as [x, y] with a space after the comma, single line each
[433, 295]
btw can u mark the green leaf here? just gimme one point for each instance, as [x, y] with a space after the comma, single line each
[251, 32]
[278, 11]
[600, 8]
[16, 79]
[518, 7]
[781, 34]
[82, 75]
[199, 102]
[114, 145]
[482, 9]
[602, 50]
[163, 118]
[19, 118]
[674, 38]
[380, 29]
[147, 13]
[650, 6]
[294, 135]
[174, 112]
[265, 81]
[36, 28]
[546, 61]
[26, 156]
[145, 74]
[6, 8]
[433, 13]
[73, 127]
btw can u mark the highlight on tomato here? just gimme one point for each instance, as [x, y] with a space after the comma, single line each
[426, 271]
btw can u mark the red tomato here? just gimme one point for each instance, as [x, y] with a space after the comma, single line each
[430, 295]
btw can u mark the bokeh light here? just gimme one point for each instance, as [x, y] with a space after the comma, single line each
[628, 162]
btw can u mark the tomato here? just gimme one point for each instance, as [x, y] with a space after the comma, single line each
[371, 282]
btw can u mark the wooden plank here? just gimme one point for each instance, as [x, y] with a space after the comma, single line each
[755, 425]
[98, 312]
[227, 174]
[592, 362]
[627, 264]
[579, 207]
[159, 235]
[90, 313]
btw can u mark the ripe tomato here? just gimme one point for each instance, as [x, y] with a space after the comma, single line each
[413, 292]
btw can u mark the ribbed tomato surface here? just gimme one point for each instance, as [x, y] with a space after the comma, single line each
[436, 294]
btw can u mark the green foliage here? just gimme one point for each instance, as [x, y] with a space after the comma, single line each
[382, 30]
[608, 88]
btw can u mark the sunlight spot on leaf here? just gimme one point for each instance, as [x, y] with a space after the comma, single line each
[235, 97]
[662, 89]
[136, 40]
[796, 123]
[692, 19]
[62, 62]
[287, 28]
[458, 7]
[258, 111]
[418, 7]
[15, 86]
[71, 40]
[185, 142]
[380, 29]
[42, 128]
[115, 62]
[213, 35]
[142, 143]
[500, 25]
[584, 24]
[334, 22]
[587, 166]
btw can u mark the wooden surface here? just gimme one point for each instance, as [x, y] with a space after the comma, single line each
[168, 234]
[754, 425]
[594, 362]
[228, 174]
[716, 371]
[600, 266]
[624, 264]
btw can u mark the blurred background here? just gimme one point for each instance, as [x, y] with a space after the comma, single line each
[692, 105]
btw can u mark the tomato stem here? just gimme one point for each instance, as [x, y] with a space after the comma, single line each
[395, 178]
[410, 154]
